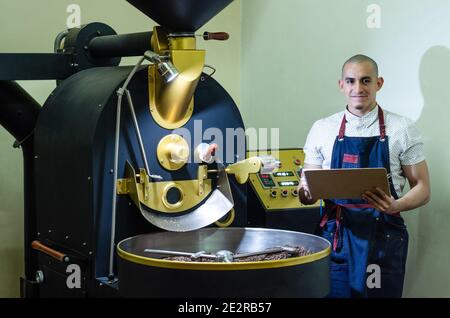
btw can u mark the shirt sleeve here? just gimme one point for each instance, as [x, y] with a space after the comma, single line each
[413, 151]
[313, 155]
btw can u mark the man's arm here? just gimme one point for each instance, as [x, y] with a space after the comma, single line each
[303, 190]
[418, 195]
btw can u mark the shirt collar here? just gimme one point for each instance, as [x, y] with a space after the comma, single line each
[366, 120]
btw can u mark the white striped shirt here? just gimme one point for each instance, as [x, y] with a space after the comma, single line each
[405, 141]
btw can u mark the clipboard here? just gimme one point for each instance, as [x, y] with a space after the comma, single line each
[345, 183]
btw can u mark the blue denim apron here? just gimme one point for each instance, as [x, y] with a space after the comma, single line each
[361, 235]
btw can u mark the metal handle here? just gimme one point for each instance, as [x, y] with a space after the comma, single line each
[50, 252]
[219, 36]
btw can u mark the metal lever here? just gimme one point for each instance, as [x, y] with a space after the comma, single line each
[50, 252]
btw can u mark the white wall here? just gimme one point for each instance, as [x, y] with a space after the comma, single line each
[292, 52]
[282, 69]
[31, 27]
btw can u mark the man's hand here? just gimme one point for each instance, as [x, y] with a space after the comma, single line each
[303, 191]
[305, 196]
[381, 201]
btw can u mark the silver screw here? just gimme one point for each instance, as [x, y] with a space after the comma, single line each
[39, 277]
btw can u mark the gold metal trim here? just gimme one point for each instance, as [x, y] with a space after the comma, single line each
[172, 206]
[209, 266]
[202, 175]
[166, 146]
[143, 192]
[228, 221]
[242, 169]
[159, 40]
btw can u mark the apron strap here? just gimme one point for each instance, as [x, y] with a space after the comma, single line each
[381, 124]
[342, 129]
[324, 221]
[338, 226]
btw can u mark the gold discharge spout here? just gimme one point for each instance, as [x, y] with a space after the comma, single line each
[172, 103]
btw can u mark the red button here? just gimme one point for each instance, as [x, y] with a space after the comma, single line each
[297, 162]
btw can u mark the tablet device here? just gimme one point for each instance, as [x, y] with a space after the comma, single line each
[345, 183]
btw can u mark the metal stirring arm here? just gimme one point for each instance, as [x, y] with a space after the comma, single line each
[224, 255]
[278, 249]
[176, 253]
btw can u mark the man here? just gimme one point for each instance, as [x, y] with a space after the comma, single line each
[368, 236]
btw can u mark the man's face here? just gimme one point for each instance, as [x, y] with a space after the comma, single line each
[360, 86]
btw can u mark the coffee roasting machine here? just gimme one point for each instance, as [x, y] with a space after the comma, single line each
[115, 174]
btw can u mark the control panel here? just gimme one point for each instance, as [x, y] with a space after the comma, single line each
[278, 190]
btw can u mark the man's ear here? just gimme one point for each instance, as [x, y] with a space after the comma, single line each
[341, 85]
[380, 82]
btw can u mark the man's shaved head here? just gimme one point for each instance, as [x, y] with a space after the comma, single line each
[360, 84]
[360, 58]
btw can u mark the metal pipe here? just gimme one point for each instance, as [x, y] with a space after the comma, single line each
[35, 66]
[120, 93]
[18, 110]
[133, 44]
[18, 114]
[58, 40]
[138, 133]
[114, 195]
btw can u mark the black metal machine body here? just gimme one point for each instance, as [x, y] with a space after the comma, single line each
[74, 159]
[93, 170]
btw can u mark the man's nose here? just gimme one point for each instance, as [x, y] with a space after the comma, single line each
[358, 87]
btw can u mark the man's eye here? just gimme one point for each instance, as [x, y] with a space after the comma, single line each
[349, 81]
[366, 81]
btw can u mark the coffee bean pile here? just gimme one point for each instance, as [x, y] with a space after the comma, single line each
[299, 251]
